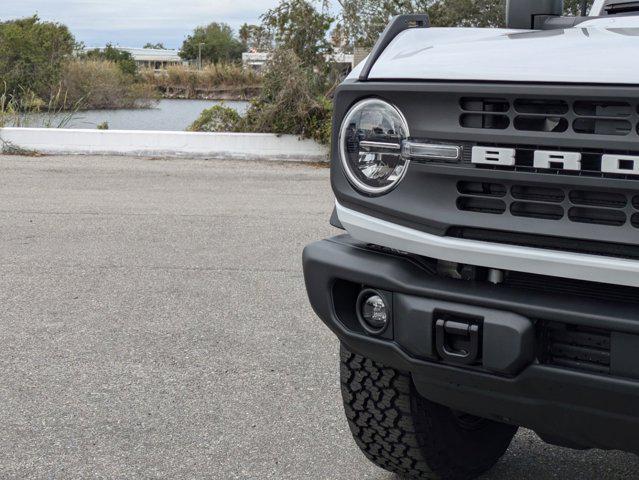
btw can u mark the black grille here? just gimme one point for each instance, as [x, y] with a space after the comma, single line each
[567, 287]
[549, 242]
[574, 347]
[551, 115]
[597, 207]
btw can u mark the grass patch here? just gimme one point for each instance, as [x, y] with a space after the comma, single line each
[101, 84]
[216, 81]
[9, 148]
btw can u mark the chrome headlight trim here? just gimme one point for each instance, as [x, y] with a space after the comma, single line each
[352, 178]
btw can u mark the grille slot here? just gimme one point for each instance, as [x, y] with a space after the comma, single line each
[598, 199]
[475, 104]
[489, 121]
[541, 106]
[481, 205]
[574, 347]
[598, 216]
[537, 210]
[482, 189]
[602, 109]
[541, 124]
[602, 126]
[542, 194]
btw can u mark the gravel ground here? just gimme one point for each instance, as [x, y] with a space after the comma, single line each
[155, 325]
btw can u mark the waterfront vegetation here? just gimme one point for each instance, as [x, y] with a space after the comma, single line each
[44, 70]
[18, 111]
[101, 84]
[219, 81]
[292, 100]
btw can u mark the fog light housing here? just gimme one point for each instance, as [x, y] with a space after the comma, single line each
[373, 311]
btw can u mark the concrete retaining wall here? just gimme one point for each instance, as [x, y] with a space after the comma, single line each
[249, 146]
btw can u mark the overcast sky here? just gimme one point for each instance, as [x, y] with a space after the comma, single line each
[133, 23]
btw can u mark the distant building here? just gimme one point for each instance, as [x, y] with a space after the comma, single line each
[157, 59]
[257, 60]
[154, 58]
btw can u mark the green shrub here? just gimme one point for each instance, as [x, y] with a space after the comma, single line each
[124, 60]
[31, 56]
[217, 119]
[292, 102]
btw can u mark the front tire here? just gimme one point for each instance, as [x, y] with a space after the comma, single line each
[399, 430]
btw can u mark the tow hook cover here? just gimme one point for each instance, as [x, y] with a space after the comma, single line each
[495, 340]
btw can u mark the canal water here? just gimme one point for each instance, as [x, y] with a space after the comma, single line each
[172, 115]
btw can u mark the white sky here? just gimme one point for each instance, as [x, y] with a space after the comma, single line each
[135, 22]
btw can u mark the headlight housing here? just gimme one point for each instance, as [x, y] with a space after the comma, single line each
[370, 144]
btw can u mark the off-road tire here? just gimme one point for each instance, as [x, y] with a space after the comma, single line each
[404, 433]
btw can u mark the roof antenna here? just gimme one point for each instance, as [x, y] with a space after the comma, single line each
[584, 8]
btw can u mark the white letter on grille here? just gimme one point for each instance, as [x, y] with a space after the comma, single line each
[559, 160]
[622, 164]
[494, 156]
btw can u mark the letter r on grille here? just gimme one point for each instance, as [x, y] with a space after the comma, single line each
[494, 156]
[558, 160]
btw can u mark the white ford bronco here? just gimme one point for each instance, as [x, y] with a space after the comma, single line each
[488, 278]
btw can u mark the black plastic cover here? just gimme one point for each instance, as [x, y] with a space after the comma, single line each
[396, 26]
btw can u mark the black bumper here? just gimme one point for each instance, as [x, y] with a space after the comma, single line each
[567, 405]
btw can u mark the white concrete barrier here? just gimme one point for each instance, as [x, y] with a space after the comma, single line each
[249, 146]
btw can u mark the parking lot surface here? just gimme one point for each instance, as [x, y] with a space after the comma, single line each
[154, 324]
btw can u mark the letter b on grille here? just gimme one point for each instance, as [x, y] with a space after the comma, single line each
[494, 156]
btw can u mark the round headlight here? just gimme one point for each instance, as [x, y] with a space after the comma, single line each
[371, 146]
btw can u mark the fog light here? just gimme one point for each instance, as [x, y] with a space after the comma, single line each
[372, 311]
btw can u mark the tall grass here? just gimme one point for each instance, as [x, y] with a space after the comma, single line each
[28, 110]
[223, 79]
[84, 85]
[101, 84]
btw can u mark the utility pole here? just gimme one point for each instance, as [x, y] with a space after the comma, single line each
[199, 56]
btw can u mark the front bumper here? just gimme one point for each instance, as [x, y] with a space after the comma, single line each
[580, 408]
[596, 268]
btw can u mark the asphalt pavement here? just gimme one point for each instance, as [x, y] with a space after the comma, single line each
[154, 324]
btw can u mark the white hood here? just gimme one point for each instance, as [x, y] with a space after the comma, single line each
[597, 51]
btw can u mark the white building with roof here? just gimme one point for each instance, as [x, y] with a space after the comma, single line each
[155, 58]
[257, 60]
